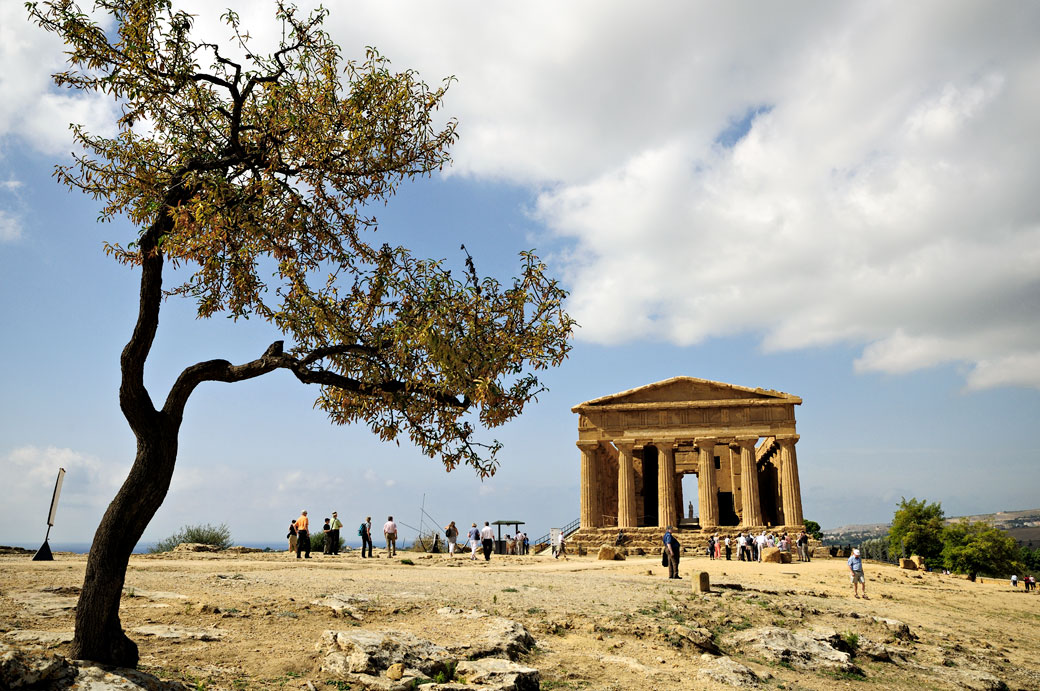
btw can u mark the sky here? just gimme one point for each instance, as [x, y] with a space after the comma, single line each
[836, 200]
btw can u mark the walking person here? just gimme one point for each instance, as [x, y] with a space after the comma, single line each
[856, 569]
[562, 550]
[671, 553]
[487, 539]
[450, 534]
[303, 535]
[334, 528]
[390, 533]
[474, 541]
[365, 531]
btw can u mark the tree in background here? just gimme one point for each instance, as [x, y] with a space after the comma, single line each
[979, 549]
[916, 528]
[813, 529]
[876, 549]
[252, 173]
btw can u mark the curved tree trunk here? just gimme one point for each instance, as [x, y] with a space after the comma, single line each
[99, 633]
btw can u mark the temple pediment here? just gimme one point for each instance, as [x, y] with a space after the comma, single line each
[685, 390]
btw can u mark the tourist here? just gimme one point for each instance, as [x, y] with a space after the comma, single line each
[1014, 580]
[326, 545]
[527, 544]
[365, 532]
[562, 550]
[711, 547]
[741, 545]
[728, 550]
[487, 539]
[718, 547]
[671, 553]
[334, 529]
[292, 536]
[390, 534]
[760, 544]
[450, 533]
[856, 571]
[474, 541]
[803, 546]
[303, 535]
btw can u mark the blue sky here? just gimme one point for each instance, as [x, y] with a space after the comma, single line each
[837, 201]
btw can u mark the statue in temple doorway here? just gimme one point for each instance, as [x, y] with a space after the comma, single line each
[691, 510]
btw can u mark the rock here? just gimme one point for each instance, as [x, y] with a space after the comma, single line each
[898, 629]
[501, 638]
[360, 651]
[179, 632]
[771, 555]
[343, 605]
[395, 671]
[908, 564]
[42, 637]
[238, 549]
[21, 669]
[785, 558]
[620, 551]
[498, 675]
[195, 547]
[918, 560]
[726, 670]
[799, 651]
[629, 662]
[43, 671]
[699, 638]
[606, 553]
[46, 604]
[701, 582]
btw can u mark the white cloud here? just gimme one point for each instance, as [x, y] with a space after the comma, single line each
[883, 195]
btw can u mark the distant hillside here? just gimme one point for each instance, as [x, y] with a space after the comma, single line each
[1024, 526]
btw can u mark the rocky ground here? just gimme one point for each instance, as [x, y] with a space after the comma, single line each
[259, 621]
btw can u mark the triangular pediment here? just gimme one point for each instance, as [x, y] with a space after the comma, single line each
[686, 389]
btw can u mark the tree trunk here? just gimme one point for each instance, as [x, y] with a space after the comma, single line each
[99, 634]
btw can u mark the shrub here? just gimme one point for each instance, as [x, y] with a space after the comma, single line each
[216, 535]
[318, 541]
[979, 549]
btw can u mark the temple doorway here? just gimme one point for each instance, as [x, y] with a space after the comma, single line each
[727, 510]
[689, 511]
[768, 481]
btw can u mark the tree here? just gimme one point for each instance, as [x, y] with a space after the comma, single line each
[813, 529]
[979, 549]
[916, 528]
[254, 175]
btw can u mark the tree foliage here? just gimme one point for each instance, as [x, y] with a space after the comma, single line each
[216, 535]
[876, 548]
[916, 528]
[813, 529]
[254, 174]
[979, 549]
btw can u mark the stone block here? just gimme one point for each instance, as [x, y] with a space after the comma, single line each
[785, 557]
[701, 582]
[919, 560]
[771, 555]
[908, 564]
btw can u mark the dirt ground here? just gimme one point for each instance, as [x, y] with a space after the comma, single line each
[598, 624]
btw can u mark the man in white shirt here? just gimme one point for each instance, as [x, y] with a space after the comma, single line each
[487, 539]
[390, 533]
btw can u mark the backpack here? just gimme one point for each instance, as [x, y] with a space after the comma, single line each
[361, 530]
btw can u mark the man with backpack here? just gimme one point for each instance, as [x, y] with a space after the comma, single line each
[365, 531]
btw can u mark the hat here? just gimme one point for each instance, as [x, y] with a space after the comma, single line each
[855, 552]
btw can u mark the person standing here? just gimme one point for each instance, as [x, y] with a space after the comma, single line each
[671, 553]
[334, 529]
[303, 535]
[292, 536]
[474, 541]
[562, 550]
[390, 533]
[856, 569]
[450, 535]
[729, 550]
[487, 539]
[365, 531]
[326, 546]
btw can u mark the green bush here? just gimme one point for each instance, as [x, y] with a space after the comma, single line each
[978, 549]
[318, 541]
[917, 528]
[216, 535]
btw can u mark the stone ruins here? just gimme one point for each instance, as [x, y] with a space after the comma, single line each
[740, 443]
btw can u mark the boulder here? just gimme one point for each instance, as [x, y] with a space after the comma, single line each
[908, 564]
[699, 638]
[498, 675]
[359, 651]
[785, 557]
[771, 555]
[726, 670]
[45, 671]
[22, 669]
[608, 553]
[343, 605]
[898, 629]
[797, 650]
[195, 547]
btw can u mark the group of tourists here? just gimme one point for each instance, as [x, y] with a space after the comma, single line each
[299, 536]
[1028, 582]
[750, 547]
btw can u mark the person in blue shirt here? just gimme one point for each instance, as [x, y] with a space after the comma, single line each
[671, 553]
[856, 569]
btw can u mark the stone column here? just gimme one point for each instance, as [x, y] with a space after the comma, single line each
[666, 514]
[591, 511]
[626, 487]
[791, 489]
[707, 485]
[750, 498]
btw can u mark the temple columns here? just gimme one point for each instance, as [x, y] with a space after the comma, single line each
[707, 485]
[666, 514]
[591, 512]
[790, 488]
[626, 487]
[750, 499]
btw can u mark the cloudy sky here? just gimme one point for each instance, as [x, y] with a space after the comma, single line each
[837, 200]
